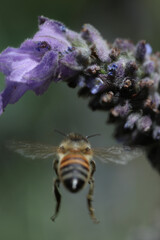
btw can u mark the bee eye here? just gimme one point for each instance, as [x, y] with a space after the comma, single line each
[62, 149]
[87, 149]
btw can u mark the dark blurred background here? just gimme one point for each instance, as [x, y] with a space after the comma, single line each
[126, 198]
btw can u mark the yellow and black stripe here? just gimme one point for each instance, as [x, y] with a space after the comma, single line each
[74, 171]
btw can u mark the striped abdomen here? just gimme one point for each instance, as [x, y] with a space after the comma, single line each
[74, 171]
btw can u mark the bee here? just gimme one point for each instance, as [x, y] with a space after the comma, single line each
[73, 163]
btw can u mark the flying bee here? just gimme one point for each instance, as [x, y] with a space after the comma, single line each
[74, 164]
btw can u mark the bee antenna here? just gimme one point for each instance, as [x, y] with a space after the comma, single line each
[62, 133]
[93, 135]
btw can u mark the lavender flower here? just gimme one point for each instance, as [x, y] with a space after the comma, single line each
[121, 78]
[54, 53]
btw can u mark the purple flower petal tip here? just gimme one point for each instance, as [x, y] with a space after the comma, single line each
[132, 120]
[99, 45]
[144, 123]
[156, 133]
[121, 110]
[141, 51]
[123, 44]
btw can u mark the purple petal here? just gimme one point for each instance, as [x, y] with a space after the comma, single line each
[45, 69]
[35, 49]
[53, 32]
[144, 123]
[9, 59]
[70, 61]
[156, 99]
[123, 44]
[120, 110]
[94, 84]
[65, 72]
[156, 133]
[131, 120]
[24, 73]
[148, 49]
[13, 92]
[97, 86]
[140, 51]
[149, 67]
[93, 37]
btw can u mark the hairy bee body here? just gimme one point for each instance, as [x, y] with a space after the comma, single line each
[74, 164]
[74, 171]
[74, 158]
[74, 167]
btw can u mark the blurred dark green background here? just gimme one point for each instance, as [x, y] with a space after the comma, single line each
[127, 197]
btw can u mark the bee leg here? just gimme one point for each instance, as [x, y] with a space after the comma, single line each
[58, 198]
[93, 166]
[90, 194]
[55, 166]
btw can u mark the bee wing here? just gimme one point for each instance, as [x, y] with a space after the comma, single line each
[32, 150]
[117, 154]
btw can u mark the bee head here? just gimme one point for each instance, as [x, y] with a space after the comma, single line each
[76, 137]
[75, 142]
